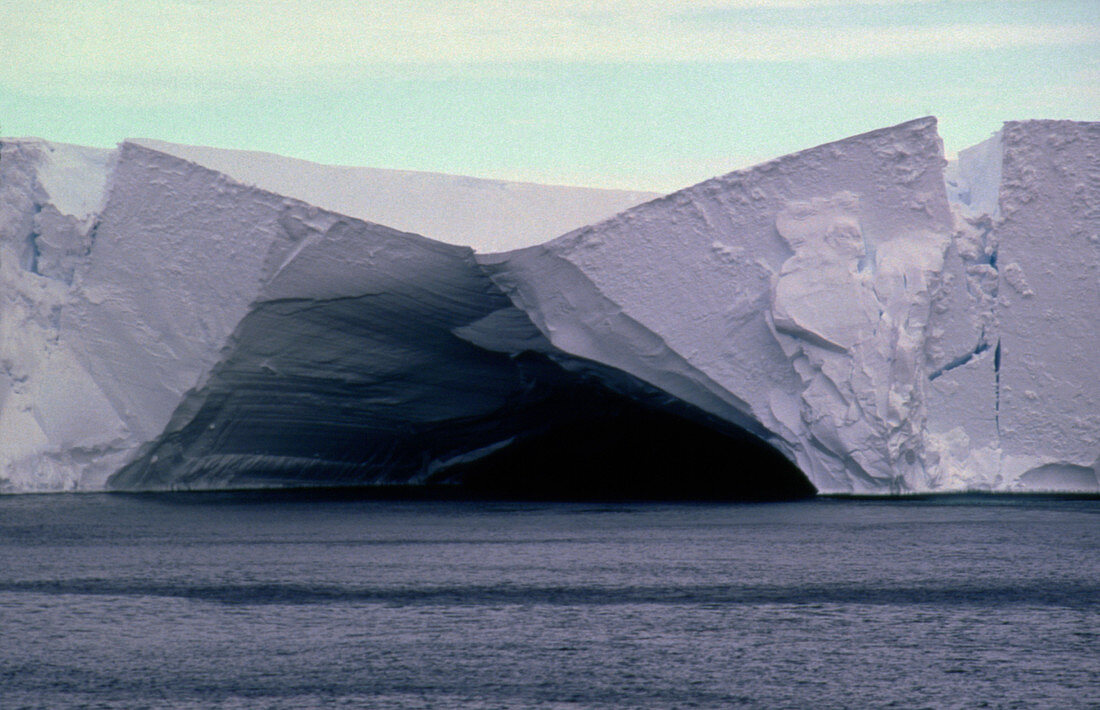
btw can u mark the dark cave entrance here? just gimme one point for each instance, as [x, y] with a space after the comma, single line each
[564, 428]
[602, 445]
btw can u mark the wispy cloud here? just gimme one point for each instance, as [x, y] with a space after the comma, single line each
[79, 40]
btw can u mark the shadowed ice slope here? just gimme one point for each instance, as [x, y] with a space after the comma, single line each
[487, 215]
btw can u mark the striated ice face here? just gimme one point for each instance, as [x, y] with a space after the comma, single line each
[184, 317]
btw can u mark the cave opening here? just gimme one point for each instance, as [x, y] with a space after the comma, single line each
[555, 428]
[599, 444]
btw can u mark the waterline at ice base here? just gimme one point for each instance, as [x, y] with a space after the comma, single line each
[859, 317]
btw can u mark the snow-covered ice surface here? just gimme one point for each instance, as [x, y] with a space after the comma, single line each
[187, 317]
[487, 215]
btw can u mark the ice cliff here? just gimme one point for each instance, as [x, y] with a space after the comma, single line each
[176, 317]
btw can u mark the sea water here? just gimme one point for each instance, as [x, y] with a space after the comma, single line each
[277, 601]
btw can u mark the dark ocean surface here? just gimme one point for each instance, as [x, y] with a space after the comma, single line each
[284, 601]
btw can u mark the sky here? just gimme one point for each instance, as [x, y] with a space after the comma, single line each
[637, 94]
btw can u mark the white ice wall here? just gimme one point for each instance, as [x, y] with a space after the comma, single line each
[1048, 299]
[55, 419]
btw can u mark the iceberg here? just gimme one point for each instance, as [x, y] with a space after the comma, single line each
[860, 316]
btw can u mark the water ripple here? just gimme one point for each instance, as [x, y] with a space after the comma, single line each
[1053, 593]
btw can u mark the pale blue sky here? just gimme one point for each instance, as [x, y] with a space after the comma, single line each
[617, 93]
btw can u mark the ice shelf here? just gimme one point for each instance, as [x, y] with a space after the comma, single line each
[181, 317]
